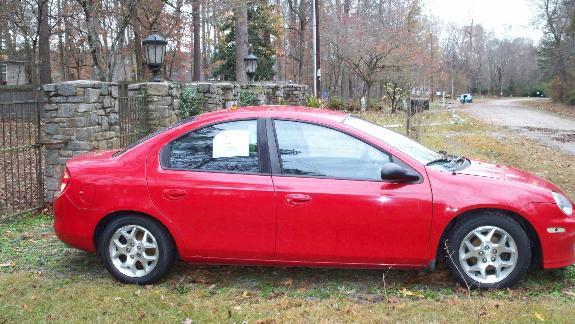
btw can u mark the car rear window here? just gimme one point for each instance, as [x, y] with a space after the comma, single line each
[142, 140]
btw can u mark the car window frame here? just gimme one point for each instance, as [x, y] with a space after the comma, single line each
[263, 149]
[275, 159]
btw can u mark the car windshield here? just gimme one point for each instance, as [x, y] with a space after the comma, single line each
[406, 145]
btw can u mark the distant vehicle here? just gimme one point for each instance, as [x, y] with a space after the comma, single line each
[466, 98]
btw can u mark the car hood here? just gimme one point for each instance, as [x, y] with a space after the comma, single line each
[495, 171]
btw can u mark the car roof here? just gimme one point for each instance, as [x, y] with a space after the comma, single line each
[274, 111]
[230, 114]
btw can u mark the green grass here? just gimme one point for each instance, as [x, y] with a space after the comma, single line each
[41, 279]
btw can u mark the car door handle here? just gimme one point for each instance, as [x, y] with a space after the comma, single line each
[174, 194]
[297, 199]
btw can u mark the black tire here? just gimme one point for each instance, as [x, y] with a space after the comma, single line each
[478, 220]
[165, 244]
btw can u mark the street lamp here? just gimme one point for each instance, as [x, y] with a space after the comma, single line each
[154, 52]
[251, 64]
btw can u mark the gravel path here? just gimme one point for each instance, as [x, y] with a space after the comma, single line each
[547, 128]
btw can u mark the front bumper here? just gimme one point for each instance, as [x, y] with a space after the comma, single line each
[74, 226]
[558, 246]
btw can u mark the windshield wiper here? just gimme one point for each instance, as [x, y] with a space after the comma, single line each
[443, 158]
[452, 159]
[440, 159]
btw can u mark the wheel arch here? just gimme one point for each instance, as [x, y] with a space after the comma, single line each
[537, 257]
[113, 215]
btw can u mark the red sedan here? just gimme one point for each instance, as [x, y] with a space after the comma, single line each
[292, 186]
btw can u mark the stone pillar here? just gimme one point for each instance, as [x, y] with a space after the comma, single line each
[80, 116]
[162, 101]
[274, 93]
[294, 94]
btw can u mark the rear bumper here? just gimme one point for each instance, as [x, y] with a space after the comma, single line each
[73, 226]
[558, 247]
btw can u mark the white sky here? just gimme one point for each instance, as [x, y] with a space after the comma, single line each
[506, 18]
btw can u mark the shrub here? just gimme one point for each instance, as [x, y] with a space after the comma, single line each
[570, 97]
[246, 98]
[336, 103]
[312, 102]
[353, 104]
[375, 104]
[191, 102]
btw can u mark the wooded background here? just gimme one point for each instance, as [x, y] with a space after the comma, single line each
[372, 48]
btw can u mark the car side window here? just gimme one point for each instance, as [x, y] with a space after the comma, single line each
[312, 150]
[230, 146]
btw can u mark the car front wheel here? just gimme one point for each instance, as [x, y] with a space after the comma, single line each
[136, 250]
[489, 250]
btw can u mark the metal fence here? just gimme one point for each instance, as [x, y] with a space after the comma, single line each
[21, 179]
[133, 119]
[17, 93]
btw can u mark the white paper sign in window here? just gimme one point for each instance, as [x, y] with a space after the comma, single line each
[230, 143]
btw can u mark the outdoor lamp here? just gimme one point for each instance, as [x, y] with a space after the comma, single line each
[251, 64]
[154, 52]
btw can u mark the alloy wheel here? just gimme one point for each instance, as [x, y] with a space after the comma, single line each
[134, 251]
[488, 254]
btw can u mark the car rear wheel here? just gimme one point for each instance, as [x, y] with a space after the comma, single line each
[488, 250]
[136, 250]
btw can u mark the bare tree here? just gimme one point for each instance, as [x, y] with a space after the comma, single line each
[104, 59]
[241, 20]
[44, 42]
[197, 50]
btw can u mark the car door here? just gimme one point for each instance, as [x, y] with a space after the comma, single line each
[215, 184]
[333, 206]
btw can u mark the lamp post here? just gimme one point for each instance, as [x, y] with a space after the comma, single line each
[154, 52]
[251, 64]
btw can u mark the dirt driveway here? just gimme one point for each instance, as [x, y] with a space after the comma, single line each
[549, 129]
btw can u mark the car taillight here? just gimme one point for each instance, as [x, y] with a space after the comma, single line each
[65, 180]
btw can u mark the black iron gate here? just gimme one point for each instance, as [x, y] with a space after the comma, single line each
[133, 119]
[21, 178]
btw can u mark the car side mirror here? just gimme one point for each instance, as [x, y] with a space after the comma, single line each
[393, 172]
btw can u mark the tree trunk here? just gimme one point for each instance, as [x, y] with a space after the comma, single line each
[44, 43]
[138, 50]
[178, 49]
[197, 50]
[63, 61]
[241, 17]
[206, 21]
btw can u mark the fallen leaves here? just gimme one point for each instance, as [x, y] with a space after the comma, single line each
[368, 297]
[539, 316]
[408, 293]
[287, 282]
[393, 300]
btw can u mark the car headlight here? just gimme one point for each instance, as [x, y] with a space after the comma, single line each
[563, 203]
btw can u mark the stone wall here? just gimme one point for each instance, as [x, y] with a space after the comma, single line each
[162, 100]
[80, 116]
[220, 95]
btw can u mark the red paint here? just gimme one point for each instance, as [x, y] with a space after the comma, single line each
[286, 220]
